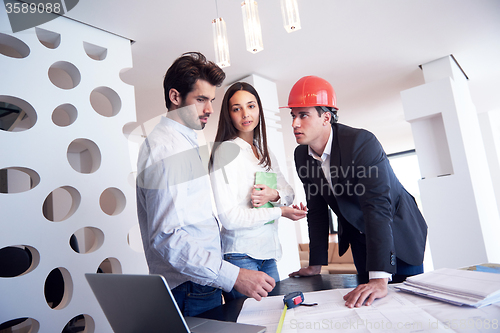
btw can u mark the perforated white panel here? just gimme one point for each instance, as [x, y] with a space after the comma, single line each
[72, 139]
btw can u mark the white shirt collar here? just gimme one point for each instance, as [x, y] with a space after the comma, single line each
[189, 133]
[326, 152]
[242, 143]
[245, 145]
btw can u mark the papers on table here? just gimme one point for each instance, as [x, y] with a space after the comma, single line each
[395, 313]
[455, 286]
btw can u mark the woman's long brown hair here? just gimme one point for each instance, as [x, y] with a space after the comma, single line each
[227, 131]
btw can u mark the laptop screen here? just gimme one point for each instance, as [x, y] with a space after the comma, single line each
[137, 303]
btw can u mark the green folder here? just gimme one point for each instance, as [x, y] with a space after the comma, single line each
[269, 179]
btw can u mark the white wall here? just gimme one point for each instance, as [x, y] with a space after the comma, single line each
[490, 129]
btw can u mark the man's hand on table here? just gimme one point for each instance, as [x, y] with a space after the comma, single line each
[367, 293]
[307, 271]
[254, 284]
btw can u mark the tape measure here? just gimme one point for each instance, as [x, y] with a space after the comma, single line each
[294, 299]
[291, 300]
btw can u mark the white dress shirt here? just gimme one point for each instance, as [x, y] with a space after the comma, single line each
[180, 234]
[324, 159]
[244, 228]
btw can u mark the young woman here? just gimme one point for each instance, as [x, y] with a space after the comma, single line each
[249, 233]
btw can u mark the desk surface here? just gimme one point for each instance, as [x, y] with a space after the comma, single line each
[231, 310]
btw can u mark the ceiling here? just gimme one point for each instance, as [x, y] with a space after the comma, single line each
[369, 50]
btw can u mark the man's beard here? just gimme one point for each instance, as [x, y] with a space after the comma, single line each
[190, 117]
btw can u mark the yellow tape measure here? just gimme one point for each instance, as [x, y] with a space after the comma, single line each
[290, 300]
[282, 319]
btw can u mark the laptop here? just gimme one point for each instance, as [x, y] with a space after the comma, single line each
[144, 303]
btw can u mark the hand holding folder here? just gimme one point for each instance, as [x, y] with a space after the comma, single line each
[269, 179]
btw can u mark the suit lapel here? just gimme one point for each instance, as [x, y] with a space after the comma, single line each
[335, 157]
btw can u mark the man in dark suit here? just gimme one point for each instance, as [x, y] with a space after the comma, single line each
[377, 217]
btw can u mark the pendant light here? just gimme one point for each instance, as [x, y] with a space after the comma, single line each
[290, 13]
[221, 44]
[251, 24]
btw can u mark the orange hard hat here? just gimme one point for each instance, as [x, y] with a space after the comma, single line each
[312, 91]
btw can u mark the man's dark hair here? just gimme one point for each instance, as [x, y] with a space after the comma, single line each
[186, 70]
[322, 109]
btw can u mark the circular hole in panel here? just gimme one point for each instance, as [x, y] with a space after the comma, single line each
[16, 115]
[94, 51]
[20, 325]
[81, 323]
[134, 132]
[134, 239]
[73, 243]
[64, 75]
[105, 101]
[61, 203]
[58, 288]
[64, 115]
[131, 178]
[87, 240]
[18, 260]
[18, 179]
[48, 38]
[111, 266]
[12, 47]
[35, 258]
[112, 201]
[127, 75]
[84, 156]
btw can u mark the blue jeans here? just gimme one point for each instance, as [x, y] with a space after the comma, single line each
[193, 298]
[242, 260]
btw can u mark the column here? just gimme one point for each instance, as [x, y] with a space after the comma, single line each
[456, 187]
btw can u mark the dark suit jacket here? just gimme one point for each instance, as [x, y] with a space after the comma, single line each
[367, 197]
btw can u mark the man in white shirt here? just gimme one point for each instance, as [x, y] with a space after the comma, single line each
[180, 234]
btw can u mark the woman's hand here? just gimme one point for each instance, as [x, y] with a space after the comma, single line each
[262, 194]
[294, 213]
[302, 207]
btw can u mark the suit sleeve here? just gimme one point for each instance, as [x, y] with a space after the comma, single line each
[374, 176]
